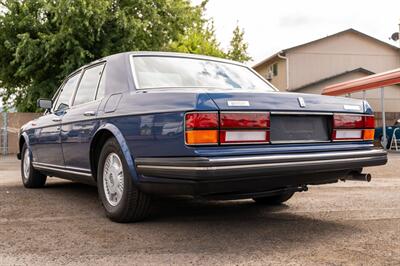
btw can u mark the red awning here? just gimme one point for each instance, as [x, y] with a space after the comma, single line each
[366, 83]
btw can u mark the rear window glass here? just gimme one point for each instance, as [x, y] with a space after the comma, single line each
[179, 72]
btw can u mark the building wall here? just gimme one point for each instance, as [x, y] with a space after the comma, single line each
[392, 98]
[278, 81]
[392, 93]
[318, 88]
[14, 123]
[337, 54]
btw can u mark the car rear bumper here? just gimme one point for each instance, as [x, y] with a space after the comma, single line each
[202, 168]
[208, 175]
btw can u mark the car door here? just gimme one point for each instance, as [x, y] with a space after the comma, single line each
[47, 147]
[79, 124]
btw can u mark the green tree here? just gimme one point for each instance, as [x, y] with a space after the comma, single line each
[42, 41]
[238, 47]
[198, 40]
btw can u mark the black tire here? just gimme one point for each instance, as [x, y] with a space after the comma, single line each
[34, 178]
[274, 200]
[134, 205]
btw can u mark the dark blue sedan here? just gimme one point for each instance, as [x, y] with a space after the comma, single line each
[144, 124]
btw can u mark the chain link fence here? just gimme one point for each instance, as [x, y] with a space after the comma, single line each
[4, 134]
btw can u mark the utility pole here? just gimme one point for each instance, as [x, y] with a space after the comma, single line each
[398, 34]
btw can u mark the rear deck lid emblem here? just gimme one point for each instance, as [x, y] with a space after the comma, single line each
[352, 107]
[301, 101]
[238, 103]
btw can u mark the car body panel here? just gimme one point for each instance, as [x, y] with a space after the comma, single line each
[77, 131]
[129, 156]
[45, 139]
[273, 101]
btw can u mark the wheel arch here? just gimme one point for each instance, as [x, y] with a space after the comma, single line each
[100, 137]
[23, 138]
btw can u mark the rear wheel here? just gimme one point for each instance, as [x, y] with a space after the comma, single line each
[122, 200]
[31, 178]
[274, 200]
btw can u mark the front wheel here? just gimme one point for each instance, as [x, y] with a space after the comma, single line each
[31, 178]
[274, 200]
[122, 200]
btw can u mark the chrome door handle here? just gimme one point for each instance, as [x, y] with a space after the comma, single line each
[89, 113]
[56, 119]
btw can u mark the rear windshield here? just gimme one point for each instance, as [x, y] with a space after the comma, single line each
[179, 72]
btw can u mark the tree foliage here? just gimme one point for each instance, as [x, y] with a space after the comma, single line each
[198, 40]
[42, 41]
[238, 47]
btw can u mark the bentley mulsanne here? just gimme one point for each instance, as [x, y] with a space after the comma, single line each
[144, 124]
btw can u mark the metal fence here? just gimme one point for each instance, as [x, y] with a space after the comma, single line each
[4, 134]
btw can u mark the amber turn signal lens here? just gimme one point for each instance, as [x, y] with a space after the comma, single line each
[202, 137]
[369, 134]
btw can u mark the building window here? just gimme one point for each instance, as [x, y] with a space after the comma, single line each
[275, 69]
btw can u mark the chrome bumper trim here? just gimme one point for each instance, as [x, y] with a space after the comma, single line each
[237, 166]
[266, 166]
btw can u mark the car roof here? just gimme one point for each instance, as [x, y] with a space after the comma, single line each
[172, 54]
[155, 53]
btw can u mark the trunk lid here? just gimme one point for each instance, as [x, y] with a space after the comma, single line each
[280, 101]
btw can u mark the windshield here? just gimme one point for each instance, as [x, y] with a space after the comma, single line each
[179, 72]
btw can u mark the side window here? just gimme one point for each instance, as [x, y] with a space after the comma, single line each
[88, 85]
[101, 91]
[66, 93]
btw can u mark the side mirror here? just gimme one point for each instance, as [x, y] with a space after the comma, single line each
[45, 104]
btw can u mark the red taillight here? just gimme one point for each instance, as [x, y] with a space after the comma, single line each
[369, 121]
[207, 128]
[201, 128]
[353, 127]
[348, 121]
[244, 120]
[201, 120]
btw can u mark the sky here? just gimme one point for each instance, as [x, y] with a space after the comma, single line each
[271, 26]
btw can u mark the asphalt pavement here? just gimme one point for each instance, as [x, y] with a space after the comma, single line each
[352, 222]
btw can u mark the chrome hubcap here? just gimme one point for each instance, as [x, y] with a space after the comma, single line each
[26, 164]
[113, 179]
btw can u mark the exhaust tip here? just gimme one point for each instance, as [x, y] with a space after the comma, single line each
[359, 177]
